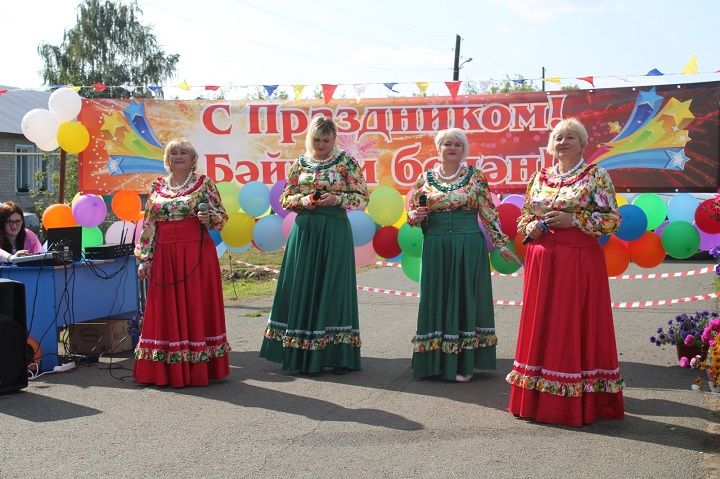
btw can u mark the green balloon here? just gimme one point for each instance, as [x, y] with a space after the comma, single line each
[654, 208]
[499, 263]
[91, 237]
[410, 239]
[230, 196]
[680, 239]
[385, 206]
[411, 266]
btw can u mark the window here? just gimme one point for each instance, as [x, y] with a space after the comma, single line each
[27, 167]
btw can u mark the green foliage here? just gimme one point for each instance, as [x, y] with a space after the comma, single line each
[108, 45]
[44, 198]
[517, 85]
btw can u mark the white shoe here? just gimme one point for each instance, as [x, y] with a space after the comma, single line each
[463, 379]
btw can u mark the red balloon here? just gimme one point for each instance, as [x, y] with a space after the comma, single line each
[519, 246]
[508, 214]
[706, 218]
[647, 251]
[385, 242]
[617, 256]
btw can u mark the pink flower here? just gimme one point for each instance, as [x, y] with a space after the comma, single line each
[689, 339]
[683, 362]
[693, 361]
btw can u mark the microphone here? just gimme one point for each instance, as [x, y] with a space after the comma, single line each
[422, 202]
[316, 196]
[544, 227]
[202, 208]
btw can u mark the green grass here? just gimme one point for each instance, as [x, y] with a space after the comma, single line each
[242, 282]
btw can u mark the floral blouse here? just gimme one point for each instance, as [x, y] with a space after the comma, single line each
[588, 193]
[340, 174]
[470, 192]
[164, 204]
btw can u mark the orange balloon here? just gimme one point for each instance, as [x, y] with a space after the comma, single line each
[126, 205]
[37, 352]
[617, 256]
[647, 251]
[519, 246]
[58, 215]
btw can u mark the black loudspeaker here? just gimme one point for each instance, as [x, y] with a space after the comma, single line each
[13, 337]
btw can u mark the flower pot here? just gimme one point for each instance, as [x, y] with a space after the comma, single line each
[690, 352]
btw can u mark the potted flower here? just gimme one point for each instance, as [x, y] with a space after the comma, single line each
[685, 333]
[711, 365]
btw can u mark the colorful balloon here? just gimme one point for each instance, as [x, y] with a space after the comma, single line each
[647, 251]
[708, 240]
[229, 193]
[706, 218]
[410, 239]
[65, 104]
[385, 242]
[385, 206]
[275, 193]
[411, 266]
[365, 255]
[508, 214]
[288, 223]
[617, 256]
[681, 207]
[254, 198]
[363, 227]
[654, 208]
[39, 125]
[267, 233]
[238, 230]
[120, 232]
[634, 223]
[500, 264]
[91, 237]
[58, 216]
[73, 137]
[680, 239]
[621, 201]
[89, 210]
[126, 205]
[516, 200]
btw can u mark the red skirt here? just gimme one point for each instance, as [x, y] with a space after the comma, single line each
[183, 340]
[566, 364]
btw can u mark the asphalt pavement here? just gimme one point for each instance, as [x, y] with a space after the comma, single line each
[378, 422]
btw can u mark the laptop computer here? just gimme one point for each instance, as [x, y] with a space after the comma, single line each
[60, 238]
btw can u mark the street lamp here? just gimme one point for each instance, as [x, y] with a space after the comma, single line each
[456, 70]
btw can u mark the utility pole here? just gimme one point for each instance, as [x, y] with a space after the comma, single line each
[456, 67]
[543, 78]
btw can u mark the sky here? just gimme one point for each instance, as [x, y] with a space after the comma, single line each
[243, 43]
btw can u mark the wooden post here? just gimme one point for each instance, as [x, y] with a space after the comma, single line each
[61, 193]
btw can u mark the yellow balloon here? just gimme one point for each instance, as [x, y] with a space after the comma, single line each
[402, 220]
[386, 205]
[73, 137]
[620, 200]
[238, 230]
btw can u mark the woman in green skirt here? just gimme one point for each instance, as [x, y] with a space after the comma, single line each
[456, 325]
[313, 323]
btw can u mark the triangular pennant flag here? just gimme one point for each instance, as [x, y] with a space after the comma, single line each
[691, 66]
[328, 91]
[154, 88]
[359, 90]
[422, 86]
[55, 87]
[390, 86]
[519, 80]
[99, 87]
[587, 79]
[212, 87]
[270, 89]
[453, 87]
[484, 85]
[654, 73]
[3, 91]
[74, 88]
[183, 85]
[552, 80]
[128, 87]
[298, 90]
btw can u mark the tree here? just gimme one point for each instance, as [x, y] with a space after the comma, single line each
[108, 45]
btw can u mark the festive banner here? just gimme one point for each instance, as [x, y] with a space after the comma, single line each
[659, 138]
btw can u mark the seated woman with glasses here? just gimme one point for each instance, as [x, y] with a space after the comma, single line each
[15, 239]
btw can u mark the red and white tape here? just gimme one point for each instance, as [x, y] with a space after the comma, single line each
[501, 302]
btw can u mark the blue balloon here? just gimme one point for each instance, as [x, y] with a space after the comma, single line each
[221, 248]
[634, 223]
[681, 207]
[254, 198]
[267, 233]
[215, 235]
[363, 227]
[604, 239]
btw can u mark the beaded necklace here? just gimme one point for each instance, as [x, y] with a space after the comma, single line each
[572, 170]
[175, 189]
[451, 178]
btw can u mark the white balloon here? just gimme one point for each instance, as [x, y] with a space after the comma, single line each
[39, 125]
[120, 232]
[48, 145]
[65, 104]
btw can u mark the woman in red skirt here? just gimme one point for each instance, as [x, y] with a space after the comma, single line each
[183, 340]
[566, 364]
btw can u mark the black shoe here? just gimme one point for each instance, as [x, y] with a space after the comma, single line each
[340, 370]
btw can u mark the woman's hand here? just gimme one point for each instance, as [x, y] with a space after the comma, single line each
[421, 213]
[559, 219]
[509, 255]
[534, 230]
[22, 252]
[327, 199]
[144, 271]
[204, 217]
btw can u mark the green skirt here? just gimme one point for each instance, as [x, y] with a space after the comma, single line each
[456, 323]
[314, 318]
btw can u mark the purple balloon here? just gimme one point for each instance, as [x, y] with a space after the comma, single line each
[659, 230]
[707, 240]
[516, 200]
[488, 241]
[89, 210]
[275, 193]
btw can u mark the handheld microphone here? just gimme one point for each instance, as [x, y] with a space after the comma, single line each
[202, 208]
[316, 196]
[544, 227]
[422, 202]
